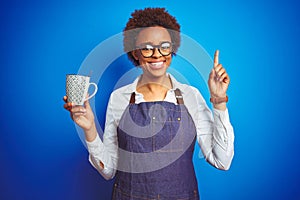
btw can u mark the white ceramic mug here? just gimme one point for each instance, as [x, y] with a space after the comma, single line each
[77, 87]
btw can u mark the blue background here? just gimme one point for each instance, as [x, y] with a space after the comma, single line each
[42, 156]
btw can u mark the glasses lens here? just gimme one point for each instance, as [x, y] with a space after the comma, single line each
[147, 50]
[165, 48]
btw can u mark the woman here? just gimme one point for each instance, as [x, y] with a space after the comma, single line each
[152, 124]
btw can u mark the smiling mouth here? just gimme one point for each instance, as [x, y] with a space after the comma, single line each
[156, 65]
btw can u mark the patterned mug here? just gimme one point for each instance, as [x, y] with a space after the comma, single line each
[77, 87]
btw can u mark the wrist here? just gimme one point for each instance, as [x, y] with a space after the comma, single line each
[220, 106]
[218, 99]
[219, 102]
[91, 133]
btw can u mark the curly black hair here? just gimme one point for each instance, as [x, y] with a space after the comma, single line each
[149, 17]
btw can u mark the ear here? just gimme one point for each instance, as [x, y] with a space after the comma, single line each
[134, 53]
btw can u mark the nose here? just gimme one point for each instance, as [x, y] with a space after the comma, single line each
[156, 53]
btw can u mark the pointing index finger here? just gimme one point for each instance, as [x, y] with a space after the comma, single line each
[216, 58]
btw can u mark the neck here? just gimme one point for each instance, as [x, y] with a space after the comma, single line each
[155, 84]
[154, 90]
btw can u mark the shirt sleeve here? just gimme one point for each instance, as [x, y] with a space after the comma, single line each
[106, 151]
[215, 133]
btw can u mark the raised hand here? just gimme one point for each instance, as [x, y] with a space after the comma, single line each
[218, 81]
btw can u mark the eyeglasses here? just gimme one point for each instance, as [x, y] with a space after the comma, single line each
[147, 49]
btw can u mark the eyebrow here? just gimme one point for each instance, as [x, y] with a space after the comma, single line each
[150, 43]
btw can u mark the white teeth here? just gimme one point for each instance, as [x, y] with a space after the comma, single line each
[157, 63]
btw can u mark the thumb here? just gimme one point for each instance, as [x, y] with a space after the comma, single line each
[87, 104]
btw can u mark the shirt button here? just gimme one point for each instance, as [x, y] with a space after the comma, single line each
[178, 118]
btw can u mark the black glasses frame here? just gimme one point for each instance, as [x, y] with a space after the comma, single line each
[158, 47]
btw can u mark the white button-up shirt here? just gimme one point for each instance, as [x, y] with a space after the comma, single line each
[214, 131]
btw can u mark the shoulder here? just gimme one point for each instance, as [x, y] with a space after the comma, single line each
[193, 100]
[188, 91]
[118, 101]
[122, 90]
[184, 88]
[121, 95]
[126, 89]
[191, 94]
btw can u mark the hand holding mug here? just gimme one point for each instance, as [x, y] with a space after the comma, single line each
[76, 100]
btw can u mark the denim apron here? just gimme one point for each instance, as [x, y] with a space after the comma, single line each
[156, 162]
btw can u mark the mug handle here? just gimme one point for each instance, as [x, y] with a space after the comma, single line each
[95, 91]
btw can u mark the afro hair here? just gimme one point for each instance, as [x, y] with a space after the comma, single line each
[149, 17]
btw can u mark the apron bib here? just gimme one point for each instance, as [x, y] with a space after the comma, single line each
[156, 144]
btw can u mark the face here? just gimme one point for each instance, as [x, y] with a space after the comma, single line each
[154, 65]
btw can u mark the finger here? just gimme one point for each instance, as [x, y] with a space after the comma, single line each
[87, 104]
[220, 73]
[218, 68]
[226, 79]
[78, 114]
[223, 77]
[216, 58]
[65, 98]
[68, 106]
[78, 109]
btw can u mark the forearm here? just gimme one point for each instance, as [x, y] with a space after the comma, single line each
[222, 138]
[90, 137]
[216, 139]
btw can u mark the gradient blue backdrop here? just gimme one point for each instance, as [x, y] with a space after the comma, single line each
[41, 154]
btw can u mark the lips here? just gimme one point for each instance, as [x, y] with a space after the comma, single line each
[156, 65]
